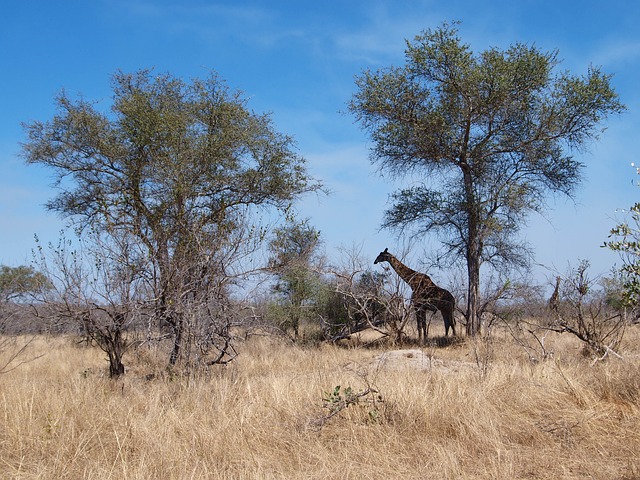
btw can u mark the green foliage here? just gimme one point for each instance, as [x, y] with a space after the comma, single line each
[177, 168]
[483, 138]
[355, 302]
[170, 160]
[18, 282]
[614, 292]
[339, 399]
[626, 242]
[294, 250]
[332, 308]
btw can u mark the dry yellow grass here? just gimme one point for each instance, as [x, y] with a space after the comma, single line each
[442, 416]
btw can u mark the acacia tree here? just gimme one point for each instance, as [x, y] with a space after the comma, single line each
[19, 282]
[17, 285]
[294, 250]
[180, 166]
[483, 138]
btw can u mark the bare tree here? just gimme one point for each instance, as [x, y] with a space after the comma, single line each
[99, 286]
[368, 300]
[582, 311]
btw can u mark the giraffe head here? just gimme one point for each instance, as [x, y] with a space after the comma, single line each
[383, 256]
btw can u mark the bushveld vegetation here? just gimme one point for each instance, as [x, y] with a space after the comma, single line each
[229, 337]
[476, 408]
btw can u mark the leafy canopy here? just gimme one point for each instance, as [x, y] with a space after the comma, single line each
[293, 251]
[625, 240]
[18, 282]
[169, 160]
[481, 138]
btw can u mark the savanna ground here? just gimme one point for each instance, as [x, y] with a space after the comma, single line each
[471, 409]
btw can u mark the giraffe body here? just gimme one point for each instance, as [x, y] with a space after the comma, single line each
[426, 296]
[554, 300]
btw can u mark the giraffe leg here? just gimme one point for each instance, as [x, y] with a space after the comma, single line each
[427, 325]
[422, 327]
[452, 324]
[449, 319]
[421, 321]
[447, 323]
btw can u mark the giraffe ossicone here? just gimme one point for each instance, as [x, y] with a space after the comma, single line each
[426, 295]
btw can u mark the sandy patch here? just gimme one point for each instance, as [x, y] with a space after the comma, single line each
[417, 360]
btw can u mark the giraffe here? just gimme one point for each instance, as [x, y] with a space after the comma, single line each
[554, 300]
[426, 296]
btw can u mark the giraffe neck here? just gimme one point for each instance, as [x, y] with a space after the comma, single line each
[407, 274]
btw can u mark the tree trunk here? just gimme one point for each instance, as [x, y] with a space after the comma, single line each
[177, 341]
[474, 252]
[168, 299]
[115, 346]
[473, 294]
[116, 367]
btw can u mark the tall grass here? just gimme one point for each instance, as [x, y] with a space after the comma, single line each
[443, 415]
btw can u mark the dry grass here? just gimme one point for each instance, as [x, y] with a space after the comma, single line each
[461, 411]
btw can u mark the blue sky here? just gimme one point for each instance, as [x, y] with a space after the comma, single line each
[298, 60]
